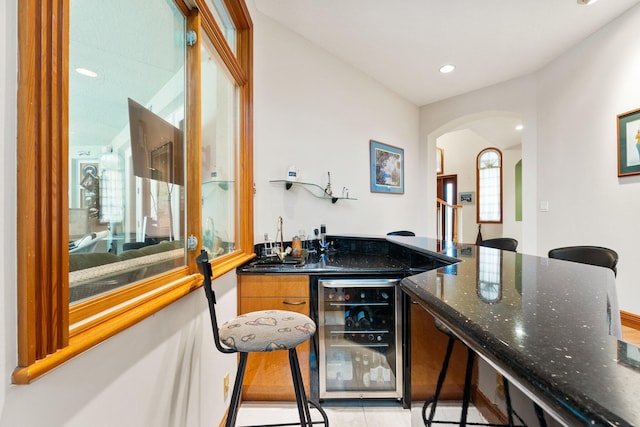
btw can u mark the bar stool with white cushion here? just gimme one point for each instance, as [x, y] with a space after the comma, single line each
[261, 331]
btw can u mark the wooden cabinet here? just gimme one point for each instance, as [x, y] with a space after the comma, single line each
[268, 375]
[428, 348]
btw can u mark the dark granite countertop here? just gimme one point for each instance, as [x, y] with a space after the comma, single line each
[349, 255]
[328, 264]
[544, 323]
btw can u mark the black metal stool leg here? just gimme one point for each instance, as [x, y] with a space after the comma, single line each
[540, 414]
[298, 385]
[466, 397]
[443, 373]
[237, 391]
[507, 399]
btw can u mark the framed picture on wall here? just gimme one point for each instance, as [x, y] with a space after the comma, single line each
[387, 168]
[467, 197]
[629, 143]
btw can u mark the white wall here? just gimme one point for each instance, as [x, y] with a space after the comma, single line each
[318, 113]
[164, 371]
[580, 95]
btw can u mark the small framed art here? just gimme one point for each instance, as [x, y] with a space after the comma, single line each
[467, 198]
[387, 168]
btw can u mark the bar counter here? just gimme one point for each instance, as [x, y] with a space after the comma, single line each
[549, 326]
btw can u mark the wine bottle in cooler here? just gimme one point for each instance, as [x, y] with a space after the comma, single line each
[364, 317]
[349, 321]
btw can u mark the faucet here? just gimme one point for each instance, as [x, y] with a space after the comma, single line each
[282, 252]
[279, 234]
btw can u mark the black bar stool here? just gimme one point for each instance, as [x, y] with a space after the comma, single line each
[503, 243]
[432, 402]
[262, 331]
[593, 255]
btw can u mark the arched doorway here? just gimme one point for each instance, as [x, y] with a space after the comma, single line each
[460, 141]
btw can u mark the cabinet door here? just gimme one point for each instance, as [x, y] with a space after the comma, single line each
[268, 375]
[428, 348]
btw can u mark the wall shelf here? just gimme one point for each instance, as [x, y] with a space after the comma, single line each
[312, 188]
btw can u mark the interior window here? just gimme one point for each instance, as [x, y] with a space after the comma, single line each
[110, 218]
[225, 23]
[219, 154]
[489, 181]
[126, 143]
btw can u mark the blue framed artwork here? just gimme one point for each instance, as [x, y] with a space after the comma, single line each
[387, 168]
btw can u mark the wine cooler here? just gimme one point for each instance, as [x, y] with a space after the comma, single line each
[359, 329]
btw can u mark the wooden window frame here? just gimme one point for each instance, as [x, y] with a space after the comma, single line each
[45, 339]
[478, 195]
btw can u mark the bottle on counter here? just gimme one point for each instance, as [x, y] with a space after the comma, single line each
[296, 246]
[322, 243]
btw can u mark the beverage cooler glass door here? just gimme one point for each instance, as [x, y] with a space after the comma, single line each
[360, 338]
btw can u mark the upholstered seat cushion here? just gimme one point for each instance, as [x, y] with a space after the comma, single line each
[267, 330]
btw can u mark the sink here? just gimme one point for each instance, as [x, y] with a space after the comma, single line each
[290, 260]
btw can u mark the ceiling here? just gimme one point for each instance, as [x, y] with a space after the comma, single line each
[403, 43]
[400, 43]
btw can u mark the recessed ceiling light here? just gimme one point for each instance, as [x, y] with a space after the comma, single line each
[587, 2]
[519, 127]
[86, 72]
[445, 69]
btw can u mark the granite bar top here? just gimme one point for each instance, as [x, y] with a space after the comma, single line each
[350, 255]
[544, 323]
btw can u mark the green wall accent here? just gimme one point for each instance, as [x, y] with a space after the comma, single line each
[519, 191]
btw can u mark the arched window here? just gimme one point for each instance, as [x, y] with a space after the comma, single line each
[489, 182]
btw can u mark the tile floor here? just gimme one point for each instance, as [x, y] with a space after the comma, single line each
[351, 414]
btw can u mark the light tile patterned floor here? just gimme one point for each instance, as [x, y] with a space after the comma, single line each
[351, 414]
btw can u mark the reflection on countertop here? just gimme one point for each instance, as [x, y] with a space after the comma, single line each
[551, 326]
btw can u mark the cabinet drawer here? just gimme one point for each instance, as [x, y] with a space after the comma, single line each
[297, 304]
[273, 286]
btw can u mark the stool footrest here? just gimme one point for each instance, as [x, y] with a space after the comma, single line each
[312, 404]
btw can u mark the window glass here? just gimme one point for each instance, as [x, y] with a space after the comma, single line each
[489, 186]
[219, 154]
[126, 143]
[224, 21]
